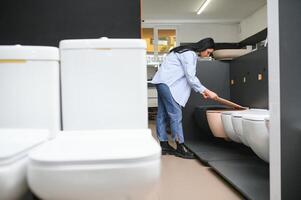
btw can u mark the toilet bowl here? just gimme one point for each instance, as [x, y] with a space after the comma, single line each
[104, 164]
[215, 123]
[15, 144]
[256, 132]
[29, 105]
[228, 126]
[236, 119]
[200, 117]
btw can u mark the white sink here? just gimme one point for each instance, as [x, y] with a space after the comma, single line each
[229, 54]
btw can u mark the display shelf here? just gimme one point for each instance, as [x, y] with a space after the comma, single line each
[237, 164]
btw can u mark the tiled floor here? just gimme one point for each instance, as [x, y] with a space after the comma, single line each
[190, 180]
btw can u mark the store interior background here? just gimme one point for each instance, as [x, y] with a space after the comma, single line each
[34, 22]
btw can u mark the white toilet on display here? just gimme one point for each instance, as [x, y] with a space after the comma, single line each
[256, 132]
[236, 119]
[103, 87]
[104, 164]
[228, 127]
[29, 104]
[14, 146]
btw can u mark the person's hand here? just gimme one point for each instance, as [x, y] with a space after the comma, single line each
[208, 94]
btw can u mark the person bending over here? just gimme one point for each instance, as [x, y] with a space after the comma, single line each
[174, 80]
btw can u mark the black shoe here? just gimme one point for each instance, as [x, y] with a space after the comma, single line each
[183, 152]
[167, 149]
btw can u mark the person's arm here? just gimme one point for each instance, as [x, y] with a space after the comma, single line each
[189, 61]
[209, 94]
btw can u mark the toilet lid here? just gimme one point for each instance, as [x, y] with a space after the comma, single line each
[93, 147]
[251, 111]
[20, 52]
[238, 114]
[256, 117]
[14, 144]
[214, 111]
[230, 112]
[102, 43]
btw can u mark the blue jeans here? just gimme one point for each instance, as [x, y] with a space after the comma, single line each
[168, 111]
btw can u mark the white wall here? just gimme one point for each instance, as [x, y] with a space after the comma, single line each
[193, 32]
[219, 32]
[253, 24]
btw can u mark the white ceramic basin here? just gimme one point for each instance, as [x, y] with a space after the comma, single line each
[229, 54]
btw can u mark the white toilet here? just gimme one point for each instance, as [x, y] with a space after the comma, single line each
[29, 104]
[103, 87]
[236, 119]
[14, 147]
[228, 126]
[104, 164]
[256, 132]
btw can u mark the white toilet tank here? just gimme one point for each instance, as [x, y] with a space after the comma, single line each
[104, 84]
[29, 87]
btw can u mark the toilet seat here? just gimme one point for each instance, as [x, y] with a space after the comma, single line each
[257, 134]
[106, 164]
[14, 147]
[256, 116]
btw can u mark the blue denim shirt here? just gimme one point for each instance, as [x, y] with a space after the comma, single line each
[178, 73]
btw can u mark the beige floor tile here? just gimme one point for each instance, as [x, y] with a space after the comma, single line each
[189, 179]
[183, 179]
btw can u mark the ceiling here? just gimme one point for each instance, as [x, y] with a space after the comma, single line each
[185, 10]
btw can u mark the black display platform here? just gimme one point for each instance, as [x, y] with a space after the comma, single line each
[237, 164]
[250, 176]
[212, 150]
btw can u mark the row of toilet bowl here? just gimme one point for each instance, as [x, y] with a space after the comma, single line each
[250, 127]
[105, 150]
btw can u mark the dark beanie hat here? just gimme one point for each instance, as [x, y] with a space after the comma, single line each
[206, 43]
